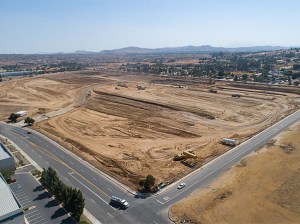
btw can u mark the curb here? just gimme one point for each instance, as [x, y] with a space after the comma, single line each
[24, 154]
[83, 161]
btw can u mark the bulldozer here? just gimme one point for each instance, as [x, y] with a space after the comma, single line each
[185, 155]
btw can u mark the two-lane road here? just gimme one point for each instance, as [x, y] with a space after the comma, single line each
[97, 187]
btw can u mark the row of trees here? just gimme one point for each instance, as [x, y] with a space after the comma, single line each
[71, 198]
[13, 118]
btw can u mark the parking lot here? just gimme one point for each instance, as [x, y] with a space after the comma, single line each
[40, 207]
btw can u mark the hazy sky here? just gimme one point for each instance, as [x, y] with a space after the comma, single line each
[29, 26]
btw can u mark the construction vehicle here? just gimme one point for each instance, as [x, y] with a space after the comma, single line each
[230, 142]
[185, 155]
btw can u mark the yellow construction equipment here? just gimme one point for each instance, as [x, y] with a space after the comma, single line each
[185, 155]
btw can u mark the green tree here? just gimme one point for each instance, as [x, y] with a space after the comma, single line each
[77, 202]
[147, 183]
[7, 174]
[13, 117]
[29, 120]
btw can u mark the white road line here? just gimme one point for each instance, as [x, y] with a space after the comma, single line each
[91, 191]
[43, 222]
[109, 189]
[18, 191]
[155, 222]
[36, 218]
[20, 194]
[27, 204]
[110, 215]
[66, 178]
[31, 212]
[93, 201]
[72, 163]
[62, 156]
[82, 170]
[32, 215]
[25, 201]
[94, 179]
[47, 162]
[22, 197]
[38, 221]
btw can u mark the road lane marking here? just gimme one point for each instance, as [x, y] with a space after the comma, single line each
[93, 201]
[90, 190]
[31, 212]
[109, 189]
[38, 221]
[66, 178]
[36, 218]
[28, 217]
[109, 214]
[155, 222]
[94, 179]
[46, 152]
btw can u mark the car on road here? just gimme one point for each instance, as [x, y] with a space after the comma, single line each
[180, 186]
[122, 203]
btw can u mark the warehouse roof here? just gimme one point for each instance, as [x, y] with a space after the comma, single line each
[4, 153]
[8, 201]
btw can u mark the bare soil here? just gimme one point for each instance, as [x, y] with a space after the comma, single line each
[130, 133]
[262, 188]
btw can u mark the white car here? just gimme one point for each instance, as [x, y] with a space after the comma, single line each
[182, 185]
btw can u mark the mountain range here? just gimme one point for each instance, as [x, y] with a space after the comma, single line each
[189, 49]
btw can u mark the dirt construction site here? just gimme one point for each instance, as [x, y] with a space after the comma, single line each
[262, 188]
[130, 126]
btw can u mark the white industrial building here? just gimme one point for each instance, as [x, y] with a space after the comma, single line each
[7, 161]
[11, 211]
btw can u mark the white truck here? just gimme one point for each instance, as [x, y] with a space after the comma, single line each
[228, 141]
[119, 202]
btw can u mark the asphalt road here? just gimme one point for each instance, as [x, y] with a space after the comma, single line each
[97, 188]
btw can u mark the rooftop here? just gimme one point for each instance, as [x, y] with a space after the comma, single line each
[4, 153]
[8, 201]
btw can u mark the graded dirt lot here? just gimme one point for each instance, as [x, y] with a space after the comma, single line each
[130, 133]
[262, 188]
[39, 95]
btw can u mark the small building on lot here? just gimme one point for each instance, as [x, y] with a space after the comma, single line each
[7, 161]
[11, 211]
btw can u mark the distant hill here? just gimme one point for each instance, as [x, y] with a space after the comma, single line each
[189, 49]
